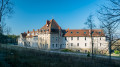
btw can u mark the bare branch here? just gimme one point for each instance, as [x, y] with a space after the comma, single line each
[6, 9]
[116, 3]
[1, 6]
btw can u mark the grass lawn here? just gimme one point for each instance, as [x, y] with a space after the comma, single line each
[36, 58]
[115, 55]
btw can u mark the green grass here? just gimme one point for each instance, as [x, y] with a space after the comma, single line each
[67, 50]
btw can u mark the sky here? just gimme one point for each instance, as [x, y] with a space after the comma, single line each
[32, 14]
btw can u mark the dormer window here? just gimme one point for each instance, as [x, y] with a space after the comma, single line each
[92, 32]
[77, 32]
[99, 32]
[84, 32]
[71, 32]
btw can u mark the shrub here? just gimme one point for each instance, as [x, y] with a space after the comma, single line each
[88, 55]
[67, 50]
[116, 52]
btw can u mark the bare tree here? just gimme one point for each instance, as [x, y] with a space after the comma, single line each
[3, 26]
[90, 25]
[6, 9]
[110, 20]
[8, 30]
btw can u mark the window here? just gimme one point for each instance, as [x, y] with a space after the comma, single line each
[56, 38]
[56, 45]
[65, 38]
[40, 45]
[100, 44]
[77, 38]
[47, 46]
[77, 32]
[71, 44]
[85, 44]
[77, 44]
[53, 38]
[53, 45]
[85, 38]
[71, 38]
[71, 32]
[41, 39]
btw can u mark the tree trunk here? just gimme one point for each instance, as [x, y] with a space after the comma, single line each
[110, 51]
[92, 43]
[0, 23]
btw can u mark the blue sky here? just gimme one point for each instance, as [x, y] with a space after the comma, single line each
[32, 14]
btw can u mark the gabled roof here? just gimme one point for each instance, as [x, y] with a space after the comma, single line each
[50, 27]
[82, 32]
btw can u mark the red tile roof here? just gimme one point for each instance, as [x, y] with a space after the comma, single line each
[24, 35]
[52, 27]
[83, 32]
[29, 36]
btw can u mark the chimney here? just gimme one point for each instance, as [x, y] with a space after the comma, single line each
[24, 32]
[33, 30]
[37, 30]
[47, 22]
[68, 28]
[28, 31]
[89, 32]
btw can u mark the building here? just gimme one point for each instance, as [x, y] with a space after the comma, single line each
[52, 36]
